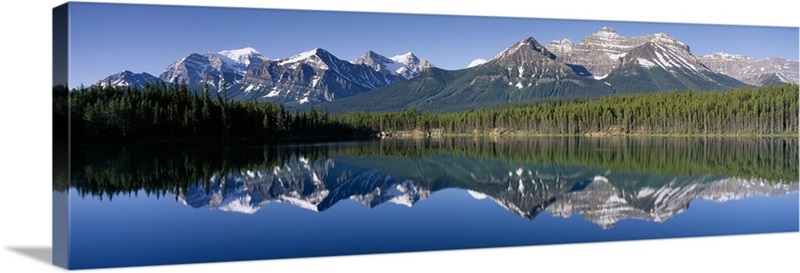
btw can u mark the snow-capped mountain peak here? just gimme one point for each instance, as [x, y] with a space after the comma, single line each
[524, 48]
[561, 46]
[753, 71]
[235, 53]
[373, 59]
[665, 56]
[407, 58]
[605, 37]
[600, 52]
[607, 32]
[226, 67]
[242, 56]
[665, 39]
[678, 69]
[405, 65]
[307, 56]
[313, 76]
[476, 62]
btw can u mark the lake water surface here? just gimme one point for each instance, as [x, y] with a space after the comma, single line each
[165, 205]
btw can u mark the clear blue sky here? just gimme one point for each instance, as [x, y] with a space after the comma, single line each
[109, 38]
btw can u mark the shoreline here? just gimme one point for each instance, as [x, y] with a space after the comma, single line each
[256, 141]
[421, 134]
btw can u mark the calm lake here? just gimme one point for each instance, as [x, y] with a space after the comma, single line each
[165, 205]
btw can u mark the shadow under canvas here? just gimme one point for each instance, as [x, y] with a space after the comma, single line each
[42, 254]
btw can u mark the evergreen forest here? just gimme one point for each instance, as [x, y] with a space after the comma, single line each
[171, 112]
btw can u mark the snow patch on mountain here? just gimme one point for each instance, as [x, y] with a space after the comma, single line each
[407, 59]
[751, 70]
[405, 65]
[476, 195]
[128, 78]
[241, 205]
[310, 57]
[242, 56]
[476, 62]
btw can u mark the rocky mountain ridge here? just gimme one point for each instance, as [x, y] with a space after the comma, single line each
[602, 63]
[601, 199]
[758, 72]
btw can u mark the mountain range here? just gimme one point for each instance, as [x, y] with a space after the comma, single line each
[312, 76]
[603, 63]
[527, 191]
[758, 72]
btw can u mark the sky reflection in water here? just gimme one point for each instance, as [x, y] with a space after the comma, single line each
[404, 195]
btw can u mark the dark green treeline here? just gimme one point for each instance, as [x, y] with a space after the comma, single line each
[159, 171]
[171, 112]
[753, 111]
[770, 158]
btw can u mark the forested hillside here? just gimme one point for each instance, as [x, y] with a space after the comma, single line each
[753, 111]
[171, 112]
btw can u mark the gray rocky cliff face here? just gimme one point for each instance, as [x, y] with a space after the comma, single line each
[605, 200]
[310, 77]
[600, 52]
[314, 185]
[217, 70]
[758, 72]
[528, 63]
[406, 65]
[605, 50]
[307, 78]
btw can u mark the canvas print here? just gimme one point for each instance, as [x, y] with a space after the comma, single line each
[267, 134]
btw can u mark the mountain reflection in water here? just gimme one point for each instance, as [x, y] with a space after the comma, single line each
[604, 180]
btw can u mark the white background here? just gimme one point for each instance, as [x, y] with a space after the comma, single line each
[25, 150]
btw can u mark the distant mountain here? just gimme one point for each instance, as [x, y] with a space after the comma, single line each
[243, 58]
[525, 71]
[308, 78]
[226, 67]
[406, 65]
[382, 64]
[600, 51]
[648, 63]
[759, 72]
[526, 190]
[412, 64]
[311, 185]
[128, 78]
[528, 71]
[603, 202]
[665, 64]
[602, 63]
